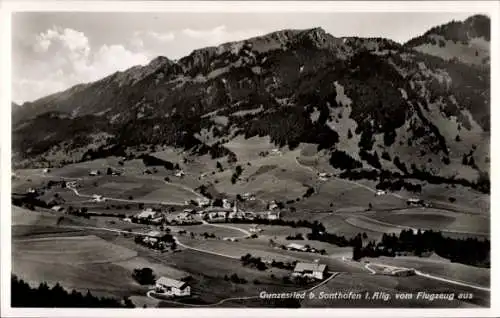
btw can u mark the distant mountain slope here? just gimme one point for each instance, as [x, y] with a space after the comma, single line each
[385, 105]
[467, 41]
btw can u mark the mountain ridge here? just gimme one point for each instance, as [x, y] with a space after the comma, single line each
[366, 97]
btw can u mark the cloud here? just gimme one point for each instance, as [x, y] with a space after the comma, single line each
[61, 58]
[220, 34]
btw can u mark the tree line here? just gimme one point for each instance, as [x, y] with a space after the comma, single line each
[23, 295]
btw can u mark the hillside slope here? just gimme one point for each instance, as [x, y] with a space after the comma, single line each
[465, 41]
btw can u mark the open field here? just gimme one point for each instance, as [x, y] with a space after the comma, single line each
[364, 282]
[75, 250]
[76, 262]
[441, 267]
[437, 220]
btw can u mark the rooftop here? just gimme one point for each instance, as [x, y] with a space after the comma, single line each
[314, 267]
[170, 282]
[146, 214]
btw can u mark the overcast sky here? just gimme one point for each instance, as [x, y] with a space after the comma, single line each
[54, 51]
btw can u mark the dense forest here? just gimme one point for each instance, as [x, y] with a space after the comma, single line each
[23, 295]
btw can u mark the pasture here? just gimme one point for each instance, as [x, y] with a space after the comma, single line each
[84, 262]
[435, 219]
[440, 267]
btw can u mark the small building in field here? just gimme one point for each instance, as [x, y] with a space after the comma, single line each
[248, 196]
[226, 204]
[255, 229]
[94, 173]
[414, 201]
[57, 208]
[203, 202]
[98, 198]
[296, 247]
[380, 192]
[273, 206]
[312, 270]
[179, 174]
[172, 287]
[273, 215]
[146, 214]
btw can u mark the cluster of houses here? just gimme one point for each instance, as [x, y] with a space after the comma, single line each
[155, 240]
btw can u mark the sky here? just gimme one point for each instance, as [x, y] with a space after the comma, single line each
[54, 51]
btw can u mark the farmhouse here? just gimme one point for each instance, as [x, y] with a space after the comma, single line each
[324, 175]
[94, 173]
[179, 174]
[255, 229]
[273, 205]
[248, 196]
[414, 201]
[57, 208]
[380, 192]
[226, 204]
[313, 270]
[32, 191]
[203, 202]
[296, 247]
[273, 215]
[46, 170]
[276, 152]
[214, 216]
[98, 198]
[146, 214]
[172, 287]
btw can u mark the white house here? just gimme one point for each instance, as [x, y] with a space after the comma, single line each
[98, 198]
[248, 196]
[313, 270]
[172, 287]
[179, 174]
[273, 215]
[226, 204]
[414, 201]
[146, 214]
[296, 247]
[46, 170]
[255, 229]
[94, 173]
[203, 202]
[57, 208]
[380, 192]
[273, 205]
